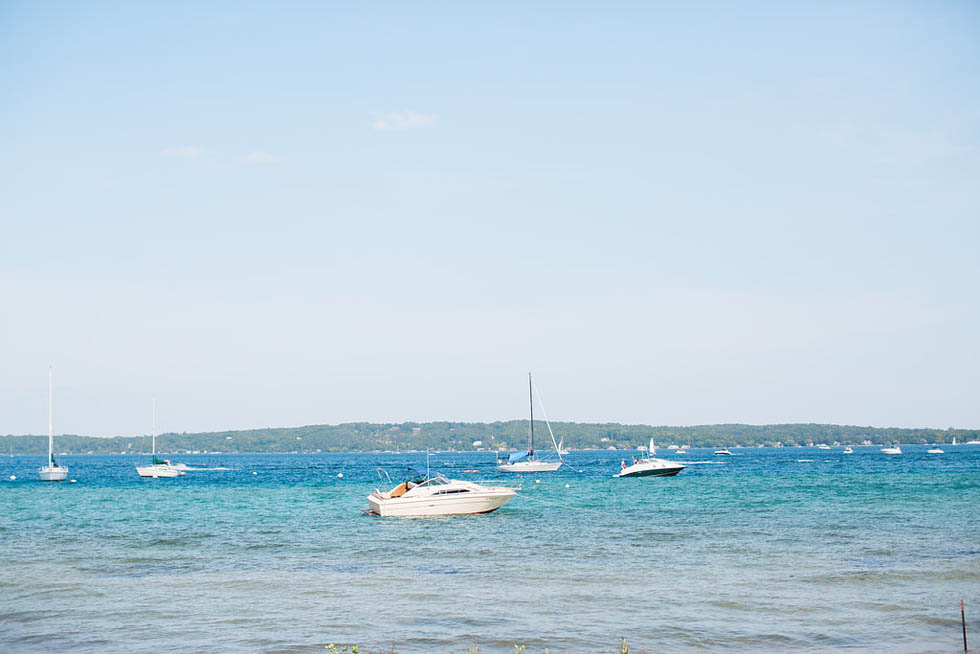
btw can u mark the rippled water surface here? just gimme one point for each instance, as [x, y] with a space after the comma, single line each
[766, 551]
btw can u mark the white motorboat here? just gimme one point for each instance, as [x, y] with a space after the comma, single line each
[724, 452]
[823, 446]
[158, 468]
[848, 450]
[432, 494]
[650, 466]
[52, 471]
[892, 449]
[935, 450]
[527, 461]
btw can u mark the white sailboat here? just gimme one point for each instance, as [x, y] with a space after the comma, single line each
[527, 461]
[52, 471]
[650, 466]
[158, 467]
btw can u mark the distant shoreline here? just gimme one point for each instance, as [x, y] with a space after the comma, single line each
[482, 436]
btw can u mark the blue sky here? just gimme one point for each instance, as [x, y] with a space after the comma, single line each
[680, 213]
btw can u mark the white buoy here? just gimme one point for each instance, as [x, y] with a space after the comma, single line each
[339, 475]
[537, 481]
[72, 481]
[567, 486]
[255, 473]
[13, 477]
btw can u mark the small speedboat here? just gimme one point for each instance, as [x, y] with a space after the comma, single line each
[427, 494]
[724, 452]
[823, 446]
[650, 466]
[848, 450]
[892, 449]
[935, 450]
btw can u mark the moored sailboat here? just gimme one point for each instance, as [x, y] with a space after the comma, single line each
[158, 467]
[527, 460]
[52, 471]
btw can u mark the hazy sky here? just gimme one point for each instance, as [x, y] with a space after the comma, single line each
[294, 213]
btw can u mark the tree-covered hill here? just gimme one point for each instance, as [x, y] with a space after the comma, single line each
[443, 436]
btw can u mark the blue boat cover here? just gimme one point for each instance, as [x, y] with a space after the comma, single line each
[517, 456]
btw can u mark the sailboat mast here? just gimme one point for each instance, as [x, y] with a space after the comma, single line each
[154, 435]
[50, 429]
[530, 394]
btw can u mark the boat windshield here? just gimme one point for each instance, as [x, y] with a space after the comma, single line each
[428, 480]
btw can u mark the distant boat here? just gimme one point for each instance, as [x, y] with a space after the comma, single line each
[724, 452]
[650, 466]
[893, 449]
[561, 447]
[158, 468]
[526, 461]
[935, 450]
[52, 471]
[823, 446]
[848, 450]
[973, 442]
[954, 440]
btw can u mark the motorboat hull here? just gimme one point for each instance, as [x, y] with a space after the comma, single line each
[658, 468]
[158, 471]
[529, 466]
[459, 504]
[53, 473]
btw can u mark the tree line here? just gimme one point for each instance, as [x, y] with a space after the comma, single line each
[462, 436]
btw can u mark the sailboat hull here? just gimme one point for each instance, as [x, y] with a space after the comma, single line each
[529, 466]
[53, 473]
[156, 471]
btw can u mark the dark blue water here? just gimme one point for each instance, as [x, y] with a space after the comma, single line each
[769, 550]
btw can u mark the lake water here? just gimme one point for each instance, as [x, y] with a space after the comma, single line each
[767, 551]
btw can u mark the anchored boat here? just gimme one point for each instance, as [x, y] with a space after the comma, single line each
[650, 466]
[426, 494]
[52, 471]
[527, 461]
[158, 468]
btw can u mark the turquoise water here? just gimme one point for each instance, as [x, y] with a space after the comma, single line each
[767, 551]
